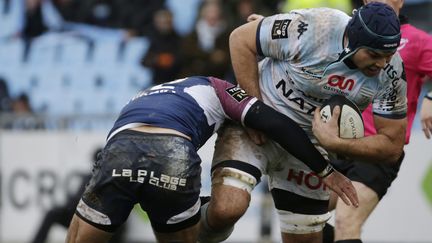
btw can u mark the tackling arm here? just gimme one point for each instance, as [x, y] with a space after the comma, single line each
[292, 138]
[287, 133]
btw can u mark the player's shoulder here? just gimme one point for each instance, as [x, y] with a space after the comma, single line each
[396, 60]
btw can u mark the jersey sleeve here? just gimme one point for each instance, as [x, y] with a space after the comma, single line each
[234, 100]
[277, 36]
[391, 101]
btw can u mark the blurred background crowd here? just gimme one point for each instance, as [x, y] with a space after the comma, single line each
[73, 64]
[61, 60]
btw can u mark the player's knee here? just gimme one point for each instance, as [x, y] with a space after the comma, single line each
[227, 213]
[238, 185]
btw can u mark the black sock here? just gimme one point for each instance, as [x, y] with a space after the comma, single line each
[349, 241]
[328, 233]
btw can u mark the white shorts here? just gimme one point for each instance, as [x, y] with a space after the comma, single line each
[300, 196]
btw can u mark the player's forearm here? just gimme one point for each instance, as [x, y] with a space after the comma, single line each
[243, 57]
[377, 148]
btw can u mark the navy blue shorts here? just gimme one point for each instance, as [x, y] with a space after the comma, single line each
[160, 172]
[378, 177]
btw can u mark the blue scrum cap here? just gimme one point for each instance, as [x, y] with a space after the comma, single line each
[374, 26]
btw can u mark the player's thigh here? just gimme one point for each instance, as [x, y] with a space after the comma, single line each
[188, 235]
[238, 164]
[82, 232]
[300, 197]
[350, 217]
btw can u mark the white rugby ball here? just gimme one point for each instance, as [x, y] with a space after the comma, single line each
[350, 120]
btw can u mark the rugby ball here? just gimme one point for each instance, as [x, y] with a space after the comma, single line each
[350, 120]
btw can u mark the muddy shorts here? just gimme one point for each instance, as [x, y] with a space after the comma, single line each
[159, 172]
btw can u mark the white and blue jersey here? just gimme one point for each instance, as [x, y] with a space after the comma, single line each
[194, 106]
[305, 64]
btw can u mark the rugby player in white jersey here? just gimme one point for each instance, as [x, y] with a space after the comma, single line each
[309, 55]
[151, 158]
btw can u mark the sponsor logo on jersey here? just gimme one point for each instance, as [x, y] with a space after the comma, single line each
[391, 92]
[339, 84]
[293, 97]
[301, 28]
[237, 93]
[141, 176]
[310, 179]
[280, 29]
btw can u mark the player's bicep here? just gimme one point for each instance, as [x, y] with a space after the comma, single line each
[277, 36]
[244, 36]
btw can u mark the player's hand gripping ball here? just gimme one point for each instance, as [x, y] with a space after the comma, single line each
[350, 120]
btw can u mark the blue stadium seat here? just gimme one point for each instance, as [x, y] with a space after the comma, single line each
[11, 53]
[105, 53]
[134, 50]
[73, 52]
[17, 78]
[44, 50]
[11, 18]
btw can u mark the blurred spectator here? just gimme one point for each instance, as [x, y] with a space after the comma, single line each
[241, 10]
[21, 104]
[100, 13]
[34, 24]
[5, 100]
[205, 50]
[132, 16]
[163, 55]
[21, 115]
[68, 9]
[62, 215]
[137, 15]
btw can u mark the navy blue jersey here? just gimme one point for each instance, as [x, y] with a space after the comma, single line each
[194, 106]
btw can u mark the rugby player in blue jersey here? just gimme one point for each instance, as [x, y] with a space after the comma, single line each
[150, 158]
